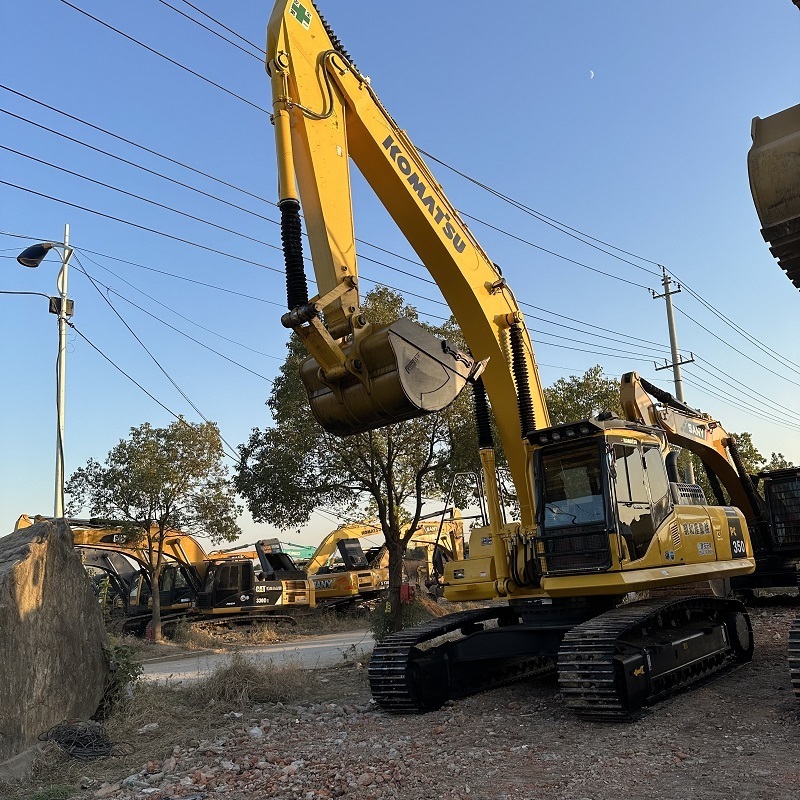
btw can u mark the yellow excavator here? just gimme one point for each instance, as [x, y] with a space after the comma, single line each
[598, 519]
[442, 541]
[344, 574]
[773, 518]
[219, 589]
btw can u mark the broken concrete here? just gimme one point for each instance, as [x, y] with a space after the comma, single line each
[52, 661]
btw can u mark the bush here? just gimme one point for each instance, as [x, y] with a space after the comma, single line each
[125, 669]
[243, 681]
[414, 613]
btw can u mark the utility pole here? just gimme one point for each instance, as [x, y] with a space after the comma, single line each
[676, 364]
[31, 257]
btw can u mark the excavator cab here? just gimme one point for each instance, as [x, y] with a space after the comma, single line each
[606, 503]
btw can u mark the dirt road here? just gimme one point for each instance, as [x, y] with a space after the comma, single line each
[738, 737]
[311, 652]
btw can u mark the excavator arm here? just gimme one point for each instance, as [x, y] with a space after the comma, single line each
[699, 433]
[325, 112]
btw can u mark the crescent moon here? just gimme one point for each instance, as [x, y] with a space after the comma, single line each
[591, 74]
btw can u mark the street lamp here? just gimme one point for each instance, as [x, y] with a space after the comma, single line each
[31, 257]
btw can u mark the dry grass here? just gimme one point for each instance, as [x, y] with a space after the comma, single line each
[242, 681]
[184, 716]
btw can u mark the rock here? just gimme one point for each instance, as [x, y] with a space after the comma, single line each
[151, 726]
[52, 661]
[106, 790]
[255, 733]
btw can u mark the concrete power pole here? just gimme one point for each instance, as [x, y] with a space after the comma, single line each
[676, 364]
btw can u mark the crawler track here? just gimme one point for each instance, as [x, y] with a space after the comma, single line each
[613, 665]
[406, 680]
[794, 656]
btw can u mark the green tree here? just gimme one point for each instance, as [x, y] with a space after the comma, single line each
[286, 471]
[582, 396]
[752, 460]
[157, 480]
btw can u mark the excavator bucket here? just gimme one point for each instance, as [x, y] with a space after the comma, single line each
[408, 372]
[774, 166]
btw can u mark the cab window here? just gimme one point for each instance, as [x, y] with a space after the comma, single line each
[633, 500]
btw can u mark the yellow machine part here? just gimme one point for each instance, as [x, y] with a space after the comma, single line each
[774, 167]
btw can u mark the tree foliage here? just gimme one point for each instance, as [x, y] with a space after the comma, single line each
[752, 460]
[292, 468]
[157, 480]
[582, 396]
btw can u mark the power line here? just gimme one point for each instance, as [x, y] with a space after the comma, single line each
[727, 399]
[554, 223]
[135, 144]
[120, 370]
[178, 314]
[552, 252]
[143, 227]
[149, 353]
[735, 350]
[777, 416]
[166, 58]
[140, 197]
[260, 49]
[183, 333]
[210, 30]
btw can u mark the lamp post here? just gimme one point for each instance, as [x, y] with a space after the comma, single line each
[31, 257]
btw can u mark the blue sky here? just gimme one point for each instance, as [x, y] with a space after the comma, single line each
[649, 156]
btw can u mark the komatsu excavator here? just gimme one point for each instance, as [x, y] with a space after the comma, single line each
[598, 518]
[219, 589]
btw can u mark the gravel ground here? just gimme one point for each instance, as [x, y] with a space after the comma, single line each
[738, 737]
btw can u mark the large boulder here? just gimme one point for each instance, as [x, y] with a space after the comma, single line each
[52, 661]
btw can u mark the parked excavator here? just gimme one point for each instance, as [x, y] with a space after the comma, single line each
[598, 518]
[442, 541]
[772, 519]
[214, 590]
[343, 574]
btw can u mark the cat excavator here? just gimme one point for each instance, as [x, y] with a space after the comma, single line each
[215, 590]
[598, 518]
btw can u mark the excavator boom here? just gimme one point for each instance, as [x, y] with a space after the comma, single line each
[324, 112]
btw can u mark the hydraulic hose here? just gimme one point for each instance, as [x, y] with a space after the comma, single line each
[482, 420]
[756, 502]
[716, 486]
[666, 398]
[527, 417]
[291, 238]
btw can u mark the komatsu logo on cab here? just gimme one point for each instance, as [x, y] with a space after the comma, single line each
[428, 200]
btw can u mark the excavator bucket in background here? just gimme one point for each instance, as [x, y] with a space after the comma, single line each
[774, 167]
[409, 372]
